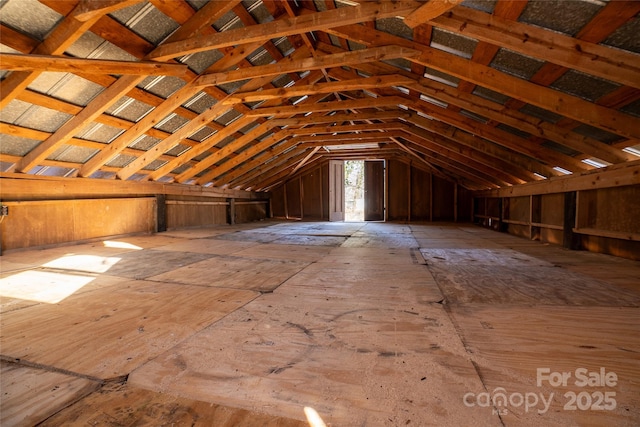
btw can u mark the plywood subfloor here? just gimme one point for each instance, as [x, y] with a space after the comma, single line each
[510, 343]
[371, 324]
[123, 405]
[234, 272]
[55, 390]
[108, 332]
[350, 341]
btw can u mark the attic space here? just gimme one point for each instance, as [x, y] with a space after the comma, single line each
[177, 245]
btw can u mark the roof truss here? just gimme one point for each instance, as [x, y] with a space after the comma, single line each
[248, 94]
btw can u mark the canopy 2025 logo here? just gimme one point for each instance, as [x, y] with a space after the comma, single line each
[600, 399]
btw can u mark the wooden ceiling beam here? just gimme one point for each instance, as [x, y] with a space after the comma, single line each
[590, 58]
[429, 167]
[428, 11]
[90, 10]
[49, 63]
[491, 174]
[276, 171]
[28, 133]
[498, 113]
[233, 57]
[342, 117]
[364, 127]
[613, 176]
[205, 145]
[514, 118]
[462, 154]
[19, 185]
[485, 52]
[304, 161]
[490, 148]
[64, 35]
[96, 107]
[146, 123]
[244, 156]
[42, 100]
[369, 102]
[502, 164]
[251, 164]
[199, 22]
[498, 136]
[230, 148]
[284, 27]
[250, 178]
[305, 64]
[503, 138]
[295, 91]
[16, 40]
[543, 97]
[358, 138]
[460, 170]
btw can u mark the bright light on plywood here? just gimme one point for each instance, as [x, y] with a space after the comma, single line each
[313, 418]
[87, 263]
[42, 286]
[120, 245]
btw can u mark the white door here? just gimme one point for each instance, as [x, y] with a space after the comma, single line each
[336, 190]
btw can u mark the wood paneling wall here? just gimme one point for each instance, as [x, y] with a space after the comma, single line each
[183, 212]
[606, 219]
[398, 190]
[412, 195]
[47, 222]
[304, 197]
[72, 212]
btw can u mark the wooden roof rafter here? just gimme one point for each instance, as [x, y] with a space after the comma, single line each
[343, 68]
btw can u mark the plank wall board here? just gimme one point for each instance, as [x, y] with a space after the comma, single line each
[234, 272]
[121, 404]
[323, 339]
[108, 332]
[510, 342]
[192, 215]
[57, 221]
[31, 395]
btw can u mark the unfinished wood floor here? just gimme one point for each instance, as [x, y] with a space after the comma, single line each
[376, 324]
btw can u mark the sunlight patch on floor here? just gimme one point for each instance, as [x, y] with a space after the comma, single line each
[42, 286]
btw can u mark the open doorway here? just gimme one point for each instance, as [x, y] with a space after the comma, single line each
[364, 190]
[354, 190]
